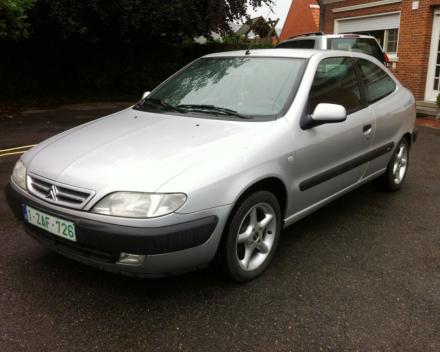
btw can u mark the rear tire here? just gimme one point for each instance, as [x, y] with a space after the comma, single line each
[397, 169]
[250, 237]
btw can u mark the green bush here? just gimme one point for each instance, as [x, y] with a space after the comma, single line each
[32, 71]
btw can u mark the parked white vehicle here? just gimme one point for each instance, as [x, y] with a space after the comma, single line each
[216, 161]
[360, 43]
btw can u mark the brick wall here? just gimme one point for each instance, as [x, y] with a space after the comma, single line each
[315, 13]
[414, 38]
[300, 19]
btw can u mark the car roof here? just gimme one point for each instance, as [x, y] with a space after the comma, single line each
[337, 35]
[293, 53]
[348, 35]
[297, 53]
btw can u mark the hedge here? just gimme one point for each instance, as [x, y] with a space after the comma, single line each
[32, 71]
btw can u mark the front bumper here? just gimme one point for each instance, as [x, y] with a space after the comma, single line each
[170, 249]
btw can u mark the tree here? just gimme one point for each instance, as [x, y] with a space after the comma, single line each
[12, 18]
[166, 20]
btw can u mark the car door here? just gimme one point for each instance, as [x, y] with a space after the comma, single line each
[382, 99]
[331, 157]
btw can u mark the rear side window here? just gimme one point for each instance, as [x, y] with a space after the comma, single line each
[359, 45]
[297, 44]
[377, 82]
[335, 82]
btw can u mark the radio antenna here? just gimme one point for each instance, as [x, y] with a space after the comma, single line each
[265, 20]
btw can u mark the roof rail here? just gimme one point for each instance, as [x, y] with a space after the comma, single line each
[307, 34]
[360, 33]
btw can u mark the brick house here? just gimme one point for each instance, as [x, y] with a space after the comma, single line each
[303, 17]
[409, 32]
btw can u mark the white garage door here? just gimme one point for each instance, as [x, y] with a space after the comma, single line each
[368, 23]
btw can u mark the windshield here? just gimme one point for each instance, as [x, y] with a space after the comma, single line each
[248, 86]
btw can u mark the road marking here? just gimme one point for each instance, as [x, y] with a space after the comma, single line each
[12, 153]
[27, 147]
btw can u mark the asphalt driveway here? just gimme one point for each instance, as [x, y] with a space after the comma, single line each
[361, 274]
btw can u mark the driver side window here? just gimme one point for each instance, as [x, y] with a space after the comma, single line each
[335, 82]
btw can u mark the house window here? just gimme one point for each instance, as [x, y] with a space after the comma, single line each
[391, 40]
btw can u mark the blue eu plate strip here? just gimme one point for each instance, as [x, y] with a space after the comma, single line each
[25, 213]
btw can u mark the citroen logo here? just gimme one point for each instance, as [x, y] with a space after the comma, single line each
[52, 193]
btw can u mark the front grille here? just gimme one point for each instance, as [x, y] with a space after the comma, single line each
[57, 193]
[83, 250]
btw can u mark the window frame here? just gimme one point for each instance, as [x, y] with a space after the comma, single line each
[362, 89]
[261, 118]
[392, 54]
[364, 93]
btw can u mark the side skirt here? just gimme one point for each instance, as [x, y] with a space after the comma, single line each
[303, 213]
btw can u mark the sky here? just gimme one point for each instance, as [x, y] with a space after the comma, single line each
[280, 10]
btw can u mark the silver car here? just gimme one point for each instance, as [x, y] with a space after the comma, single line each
[210, 166]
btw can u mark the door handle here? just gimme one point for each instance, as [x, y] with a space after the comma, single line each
[366, 128]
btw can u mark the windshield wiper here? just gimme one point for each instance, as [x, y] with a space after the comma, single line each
[214, 109]
[164, 104]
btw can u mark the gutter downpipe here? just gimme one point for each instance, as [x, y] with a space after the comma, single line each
[321, 15]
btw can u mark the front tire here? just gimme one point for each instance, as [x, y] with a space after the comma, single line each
[250, 237]
[397, 168]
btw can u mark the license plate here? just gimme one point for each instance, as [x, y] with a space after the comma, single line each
[50, 223]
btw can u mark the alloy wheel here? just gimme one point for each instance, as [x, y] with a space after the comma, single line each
[256, 236]
[400, 164]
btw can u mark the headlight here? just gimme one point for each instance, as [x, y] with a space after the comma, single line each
[19, 174]
[139, 205]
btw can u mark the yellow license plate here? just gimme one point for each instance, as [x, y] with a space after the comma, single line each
[50, 223]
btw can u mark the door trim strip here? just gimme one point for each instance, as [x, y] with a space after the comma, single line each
[343, 168]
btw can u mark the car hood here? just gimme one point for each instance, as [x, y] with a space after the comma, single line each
[133, 150]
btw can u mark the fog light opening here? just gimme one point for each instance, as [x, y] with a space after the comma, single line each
[131, 259]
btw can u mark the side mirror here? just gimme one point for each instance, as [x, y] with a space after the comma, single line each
[146, 94]
[324, 113]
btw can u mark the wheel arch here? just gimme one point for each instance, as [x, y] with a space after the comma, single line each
[226, 259]
[270, 184]
[408, 138]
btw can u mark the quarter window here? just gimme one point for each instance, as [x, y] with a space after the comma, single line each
[377, 82]
[297, 44]
[335, 82]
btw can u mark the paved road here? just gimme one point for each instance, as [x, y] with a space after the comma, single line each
[361, 274]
